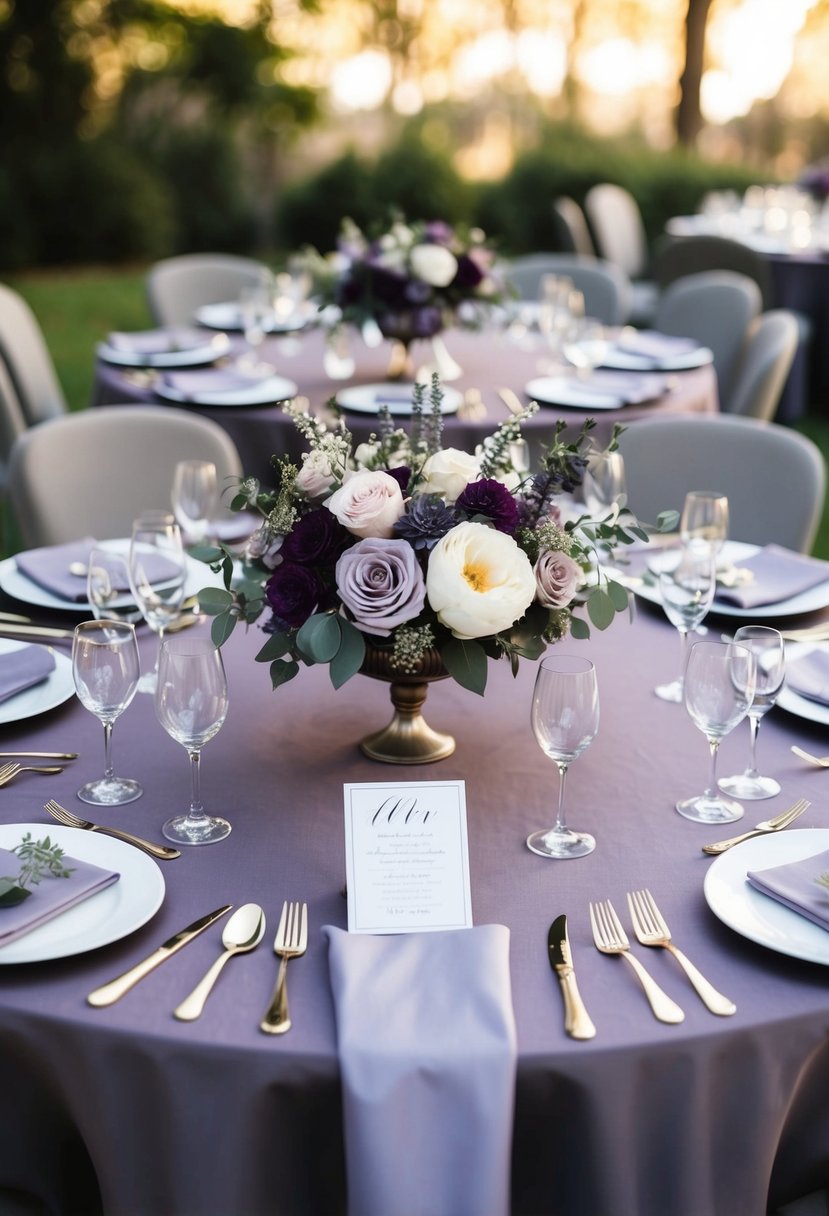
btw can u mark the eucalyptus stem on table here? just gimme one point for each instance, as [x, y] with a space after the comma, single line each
[41, 859]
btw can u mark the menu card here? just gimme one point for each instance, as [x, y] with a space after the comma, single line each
[407, 857]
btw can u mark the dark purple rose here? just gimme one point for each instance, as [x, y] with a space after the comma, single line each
[293, 593]
[317, 539]
[427, 519]
[402, 475]
[469, 273]
[491, 499]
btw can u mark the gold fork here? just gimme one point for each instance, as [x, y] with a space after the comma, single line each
[610, 938]
[9, 771]
[160, 851]
[820, 761]
[290, 942]
[651, 929]
[766, 825]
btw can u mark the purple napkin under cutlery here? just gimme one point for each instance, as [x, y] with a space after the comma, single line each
[159, 341]
[809, 676]
[49, 568]
[779, 574]
[651, 344]
[23, 668]
[793, 884]
[51, 896]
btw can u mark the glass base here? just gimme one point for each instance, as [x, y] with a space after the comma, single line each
[750, 785]
[183, 829]
[673, 692]
[561, 844]
[113, 791]
[708, 808]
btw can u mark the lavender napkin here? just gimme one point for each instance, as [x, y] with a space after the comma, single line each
[49, 568]
[809, 675]
[158, 341]
[23, 668]
[793, 884]
[193, 385]
[651, 344]
[427, 1048]
[779, 574]
[51, 896]
[630, 387]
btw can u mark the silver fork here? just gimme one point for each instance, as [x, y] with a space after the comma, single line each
[766, 825]
[9, 771]
[290, 942]
[651, 929]
[610, 938]
[160, 851]
[820, 761]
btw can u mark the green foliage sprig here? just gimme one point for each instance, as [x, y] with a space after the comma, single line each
[41, 859]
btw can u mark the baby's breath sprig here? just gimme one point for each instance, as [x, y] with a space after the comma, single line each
[410, 644]
[496, 455]
[283, 513]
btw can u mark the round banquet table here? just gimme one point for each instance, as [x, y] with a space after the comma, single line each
[489, 362]
[720, 1116]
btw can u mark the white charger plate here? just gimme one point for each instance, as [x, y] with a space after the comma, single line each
[205, 350]
[106, 917]
[629, 361]
[749, 912]
[369, 398]
[793, 702]
[267, 390]
[58, 687]
[563, 390]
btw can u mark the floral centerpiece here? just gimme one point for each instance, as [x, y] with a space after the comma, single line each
[434, 559]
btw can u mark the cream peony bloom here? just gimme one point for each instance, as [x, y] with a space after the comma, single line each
[478, 581]
[447, 473]
[434, 264]
[368, 504]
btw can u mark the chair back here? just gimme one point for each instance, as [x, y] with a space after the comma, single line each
[27, 360]
[91, 473]
[570, 228]
[618, 229]
[682, 256]
[605, 287]
[775, 478]
[12, 420]
[715, 308]
[764, 365]
[177, 286]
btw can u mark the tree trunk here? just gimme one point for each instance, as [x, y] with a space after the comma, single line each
[689, 114]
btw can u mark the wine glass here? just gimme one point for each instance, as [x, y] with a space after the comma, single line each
[105, 668]
[194, 494]
[603, 484]
[687, 589]
[719, 688]
[257, 315]
[565, 718]
[769, 652]
[585, 344]
[191, 705]
[108, 586]
[704, 520]
[157, 572]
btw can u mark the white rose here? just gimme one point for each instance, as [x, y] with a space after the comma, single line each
[448, 473]
[478, 581]
[435, 264]
[368, 504]
[316, 477]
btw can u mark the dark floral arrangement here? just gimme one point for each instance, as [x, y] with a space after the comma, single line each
[403, 544]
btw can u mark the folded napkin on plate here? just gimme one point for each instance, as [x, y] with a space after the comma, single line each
[49, 897]
[192, 386]
[651, 344]
[23, 668]
[809, 675]
[49, 568]
[778, 574]
[158, 341]
[630, 387]
[427, 1047]
[793, 884]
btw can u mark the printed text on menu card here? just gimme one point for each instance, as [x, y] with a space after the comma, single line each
[407, 857]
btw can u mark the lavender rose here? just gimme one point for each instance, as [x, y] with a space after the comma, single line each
[491, 499]
[557, 578]
[368, 504]
[293, 593]
[381, 584]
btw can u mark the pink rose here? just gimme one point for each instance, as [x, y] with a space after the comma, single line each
[368, 504]
[557, 578]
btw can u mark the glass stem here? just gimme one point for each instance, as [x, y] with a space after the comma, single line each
[754, 726]
[196, 808]
[107, 751]
[683, 655]
[714, 747]
[562, 777]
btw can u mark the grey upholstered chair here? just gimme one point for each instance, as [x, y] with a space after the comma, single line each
[570, 228]
[681, 256]
[27, 361]
[177, 286]
[775, 478]
[763, 365]
[620, 237]
[91, 473]
[604, 286]
[716, 308]
[12, 421]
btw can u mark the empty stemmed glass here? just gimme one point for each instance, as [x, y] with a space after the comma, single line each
[704, 520]
[769, 651]
[719, 688]
[191, 705]
[157, 569]
[687, 589]
[603, 484]
[565, 718]
[585, 344]
[105, 668]
[108, 586]
[194, 494]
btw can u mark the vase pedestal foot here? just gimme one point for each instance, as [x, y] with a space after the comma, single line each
[408, 738]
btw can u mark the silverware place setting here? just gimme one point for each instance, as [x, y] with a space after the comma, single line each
[610, 938]
[291, 941]
[818, 761]
[242, 933]
[161, 852]
[8, 772]
[777, 824]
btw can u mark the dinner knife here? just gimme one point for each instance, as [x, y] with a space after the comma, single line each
[109, 993]
[34, 631]
[577, 1021]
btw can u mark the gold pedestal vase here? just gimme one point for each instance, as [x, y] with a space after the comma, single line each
[408, 738]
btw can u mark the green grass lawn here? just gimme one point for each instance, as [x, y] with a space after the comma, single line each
[77, 308]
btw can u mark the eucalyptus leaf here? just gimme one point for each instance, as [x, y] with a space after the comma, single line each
[579, 628]
[618, 594]
[349, 658]
[666, 521]
[277, 645]
[206, 553]
[282, 671]
[11, 894]
[222, 627]
[319, 638]
[466, 663]
[600, 608]
[214, 600]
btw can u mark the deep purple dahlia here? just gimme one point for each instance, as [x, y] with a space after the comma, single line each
[491, 499]
[317, 539]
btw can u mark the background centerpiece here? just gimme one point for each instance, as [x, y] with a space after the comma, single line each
[412, 562]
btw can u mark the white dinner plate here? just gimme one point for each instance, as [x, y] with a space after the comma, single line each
[735, 552]
[749, 912]
[58, 687]
[368, 398]
[16, 584]
[629, 361]
[106, 917]
[267, 390]
[229, 316]
[196, 353]
[793, 702]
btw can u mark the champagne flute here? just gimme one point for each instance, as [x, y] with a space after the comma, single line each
[687, 590]
[704, 520]
[157, 571]
[194, 494]
[191, 705]
[769, 652]
[565, 718]
[719, 688]
[105, 668]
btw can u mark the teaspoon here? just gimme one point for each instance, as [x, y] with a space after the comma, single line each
[244, 931]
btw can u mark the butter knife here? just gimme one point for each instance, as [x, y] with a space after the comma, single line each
[577, 1021]
[109, 993]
